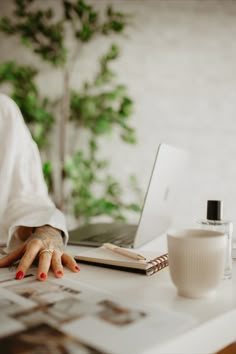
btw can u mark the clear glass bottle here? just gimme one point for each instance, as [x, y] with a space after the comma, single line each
[214, 222]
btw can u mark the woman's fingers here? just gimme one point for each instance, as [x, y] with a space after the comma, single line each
[57, 264]
[45, 258]
[56, 261]
[12, 257]
[27, 259]
[69, 262]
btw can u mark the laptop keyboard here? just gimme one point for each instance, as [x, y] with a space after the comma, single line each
[95, 235]
[117, 237]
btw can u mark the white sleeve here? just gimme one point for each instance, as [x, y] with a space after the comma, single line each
[25, 199]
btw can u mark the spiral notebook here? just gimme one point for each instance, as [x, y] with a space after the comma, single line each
[105, 258]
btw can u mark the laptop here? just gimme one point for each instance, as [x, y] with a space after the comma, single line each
[157, 210]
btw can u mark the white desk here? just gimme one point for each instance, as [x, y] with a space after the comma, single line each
[216, 316]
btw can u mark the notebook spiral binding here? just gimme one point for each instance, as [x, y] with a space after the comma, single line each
[158, 264]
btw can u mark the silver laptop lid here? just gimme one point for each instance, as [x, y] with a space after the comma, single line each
[161, 195]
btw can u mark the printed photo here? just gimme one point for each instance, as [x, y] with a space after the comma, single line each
[117, 314]
[70, 308]
[2, 252]
[35, 316]
[8, 306]
[62, 311]
[44, 339]
[42, 292]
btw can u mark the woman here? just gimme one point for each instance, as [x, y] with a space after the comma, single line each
[30, 224]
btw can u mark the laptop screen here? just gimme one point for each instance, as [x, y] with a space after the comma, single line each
[162, 193]
[156, 212]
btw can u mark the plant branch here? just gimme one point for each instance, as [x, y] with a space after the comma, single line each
[65, 112]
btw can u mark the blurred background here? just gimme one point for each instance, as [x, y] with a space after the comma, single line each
[101, 83]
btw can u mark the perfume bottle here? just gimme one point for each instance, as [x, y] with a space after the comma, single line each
[214, 222]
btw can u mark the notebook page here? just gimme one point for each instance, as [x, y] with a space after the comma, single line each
[105, 256]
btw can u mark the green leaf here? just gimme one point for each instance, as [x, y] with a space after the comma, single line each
[126, 108]
[102, 125]
[85, 33]
[47, 172]
[134, 207]
[129, 136]
[5, 26]
[26, 41]
[117, 26]
[93, 16]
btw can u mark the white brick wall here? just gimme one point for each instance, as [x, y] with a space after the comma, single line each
[179, 65]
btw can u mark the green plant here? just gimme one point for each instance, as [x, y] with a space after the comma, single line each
[97, 107]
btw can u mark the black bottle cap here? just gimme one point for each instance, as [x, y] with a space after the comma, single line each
[214, 209]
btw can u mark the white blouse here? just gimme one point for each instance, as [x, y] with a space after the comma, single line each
[24, 199]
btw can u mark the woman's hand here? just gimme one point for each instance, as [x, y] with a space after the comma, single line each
[44, 244]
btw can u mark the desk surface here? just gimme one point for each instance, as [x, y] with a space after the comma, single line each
[216, 316]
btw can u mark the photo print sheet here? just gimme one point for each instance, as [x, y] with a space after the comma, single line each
[68, 316]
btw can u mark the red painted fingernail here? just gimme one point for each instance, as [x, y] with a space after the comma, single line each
[43, 276]
[77, 268]
[19, 275]
[60, 272]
